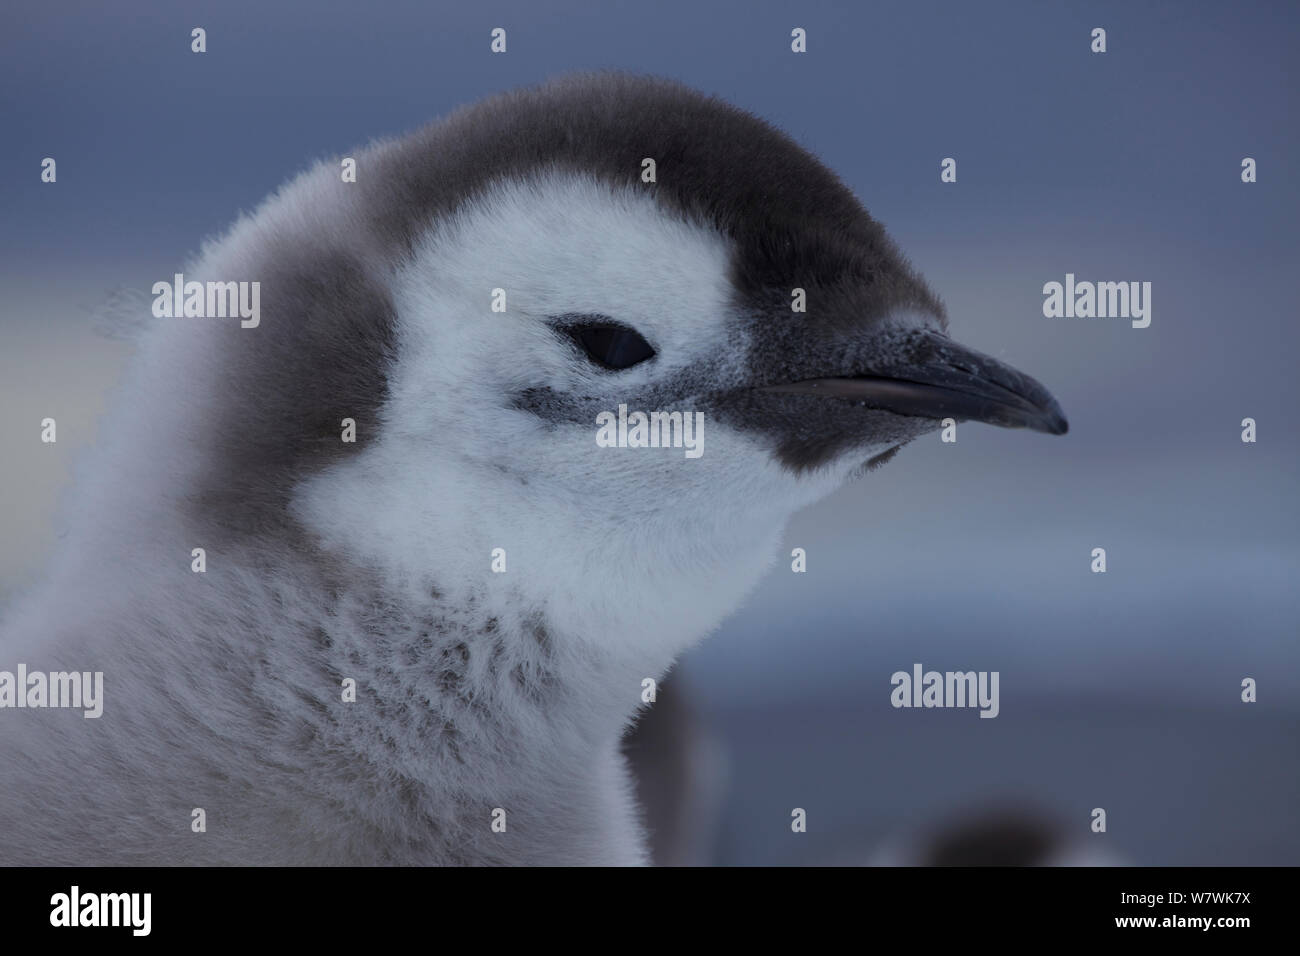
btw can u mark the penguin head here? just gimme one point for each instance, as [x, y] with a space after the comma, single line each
[622, 248]
[591, 251]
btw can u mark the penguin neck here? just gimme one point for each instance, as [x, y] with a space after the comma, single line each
[506, 640]
[477, 706]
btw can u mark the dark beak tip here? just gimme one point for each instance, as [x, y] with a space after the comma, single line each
[1055, 422]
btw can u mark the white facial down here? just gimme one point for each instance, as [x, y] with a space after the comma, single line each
[640, 546]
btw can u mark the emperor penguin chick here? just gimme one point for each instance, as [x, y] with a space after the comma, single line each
[431, 590]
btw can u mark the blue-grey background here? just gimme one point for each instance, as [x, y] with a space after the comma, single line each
[1118, 690]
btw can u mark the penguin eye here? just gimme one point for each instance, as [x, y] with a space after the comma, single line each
[610, 345]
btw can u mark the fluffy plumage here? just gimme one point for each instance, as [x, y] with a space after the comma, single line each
[476, 690]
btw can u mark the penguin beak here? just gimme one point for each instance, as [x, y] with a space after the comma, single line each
[952, 382]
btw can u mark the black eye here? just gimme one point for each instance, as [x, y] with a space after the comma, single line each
[611, 346]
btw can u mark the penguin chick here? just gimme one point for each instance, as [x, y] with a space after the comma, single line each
[493, 584]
